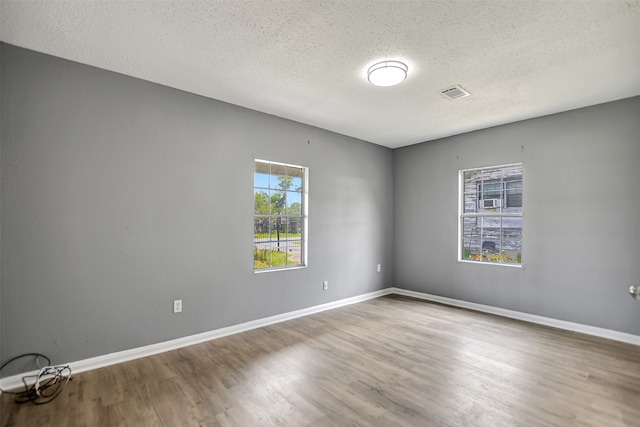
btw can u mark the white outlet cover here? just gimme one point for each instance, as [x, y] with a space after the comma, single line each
[177, 306]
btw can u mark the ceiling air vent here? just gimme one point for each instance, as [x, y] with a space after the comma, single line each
[454, 92]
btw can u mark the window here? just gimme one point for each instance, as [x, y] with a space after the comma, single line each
[490, 225]
[280, 216]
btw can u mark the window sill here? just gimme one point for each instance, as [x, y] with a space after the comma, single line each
[465, 261]
[271, 270]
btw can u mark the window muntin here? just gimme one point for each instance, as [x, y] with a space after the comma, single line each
[490, 224]
[279, 226]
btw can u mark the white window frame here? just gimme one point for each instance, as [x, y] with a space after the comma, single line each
[462, 215]
[304, 214]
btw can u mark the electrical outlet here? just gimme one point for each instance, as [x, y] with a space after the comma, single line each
[379, 268]
[177, 306]
[325, 285]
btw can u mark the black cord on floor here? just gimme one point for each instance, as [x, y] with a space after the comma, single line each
[48, 382]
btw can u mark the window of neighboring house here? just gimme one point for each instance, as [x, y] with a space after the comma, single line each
[280, 216]
[491, 215]
[507, 194]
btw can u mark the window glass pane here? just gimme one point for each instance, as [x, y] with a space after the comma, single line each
[263, 167]
[294, 227]
[278, 202]
[296, 184]
[294, 203]
[295, 172]
[490, 175]
[470, 204]
[490, 190]
[511, 172]
[260, 180]
[513, 194]
[261, 242]
[261, 228]
[511, 243]
[512, 222]
[471, 238]
[261, 201]
[470, 181]
[514, 200]
[278, 233]
[490, 237]
[294, 254]
[278, 176]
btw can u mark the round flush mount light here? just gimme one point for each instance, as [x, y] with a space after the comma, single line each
[387, 73]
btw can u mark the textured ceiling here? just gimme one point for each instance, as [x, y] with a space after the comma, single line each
[307, 60]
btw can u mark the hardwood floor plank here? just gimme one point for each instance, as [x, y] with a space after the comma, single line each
[391, 361]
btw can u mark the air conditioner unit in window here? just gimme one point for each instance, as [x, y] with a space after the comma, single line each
[489, 203]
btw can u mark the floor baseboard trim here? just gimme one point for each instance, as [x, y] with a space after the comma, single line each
[15, 381]
[532, 318]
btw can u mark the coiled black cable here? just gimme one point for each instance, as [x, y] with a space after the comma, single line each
[48, 384]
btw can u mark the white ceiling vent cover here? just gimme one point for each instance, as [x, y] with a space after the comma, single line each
[454, 92]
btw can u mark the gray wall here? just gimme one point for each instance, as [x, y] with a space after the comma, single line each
[581, 244]
[119, 195]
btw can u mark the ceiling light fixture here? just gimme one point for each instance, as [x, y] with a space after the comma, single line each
[387, 73]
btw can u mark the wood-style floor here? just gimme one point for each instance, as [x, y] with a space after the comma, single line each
[391, 361]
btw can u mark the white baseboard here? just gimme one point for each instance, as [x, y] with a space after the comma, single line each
[532, 318]
[15, 382]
